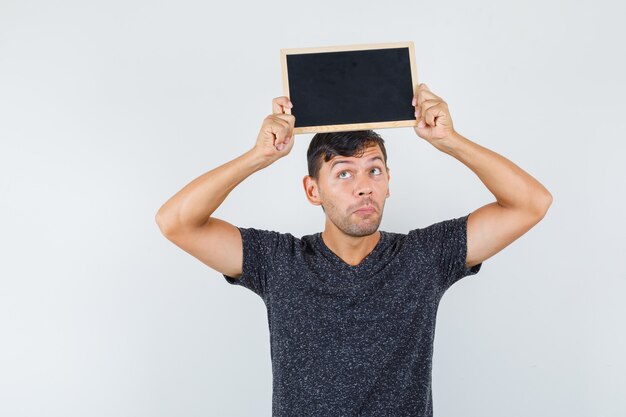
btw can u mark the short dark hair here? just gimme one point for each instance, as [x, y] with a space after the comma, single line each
[331, 144]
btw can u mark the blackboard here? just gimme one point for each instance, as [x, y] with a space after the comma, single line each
[350, 87]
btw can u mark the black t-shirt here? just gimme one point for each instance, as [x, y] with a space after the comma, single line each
[353, 340]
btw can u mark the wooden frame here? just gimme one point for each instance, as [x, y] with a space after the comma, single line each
[284, 53]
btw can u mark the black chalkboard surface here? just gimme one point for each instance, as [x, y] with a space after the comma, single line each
[352, 87]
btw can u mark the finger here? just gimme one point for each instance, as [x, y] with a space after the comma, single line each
[273, 126]
[291, 120]
[423, 108]
[433, 113]
[282, 132]
[280, 120]
[422, 92]
[287, 144]
[426, 104]
[422, 96]
[278, 130]
[280, 104]
[422, 125]
[426, 95]
[416, 93]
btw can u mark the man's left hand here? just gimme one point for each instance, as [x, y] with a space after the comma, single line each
[433, 116]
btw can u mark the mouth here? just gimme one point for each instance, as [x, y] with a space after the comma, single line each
[366, 210]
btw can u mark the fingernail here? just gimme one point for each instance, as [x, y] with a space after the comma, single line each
[421, 123]
[413, 102]
[280, 146]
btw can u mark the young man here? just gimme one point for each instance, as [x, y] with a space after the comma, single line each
[351, 310]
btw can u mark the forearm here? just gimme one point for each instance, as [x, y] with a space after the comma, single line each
[193, 205]
[512, 186]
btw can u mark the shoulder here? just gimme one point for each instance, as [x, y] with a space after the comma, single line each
[440, 228]
[268, 239]
[440, 235]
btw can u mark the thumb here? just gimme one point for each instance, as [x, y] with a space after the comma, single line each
[422, 129]
[288, 141]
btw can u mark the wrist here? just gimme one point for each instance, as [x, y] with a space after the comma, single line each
[452, 143]
[255, 159]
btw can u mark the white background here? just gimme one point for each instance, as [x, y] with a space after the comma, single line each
[109, 108]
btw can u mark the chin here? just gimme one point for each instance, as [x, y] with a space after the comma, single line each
[362, 231]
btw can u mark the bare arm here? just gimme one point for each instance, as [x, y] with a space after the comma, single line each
[185, 219]
[192, 206]
[521, 200]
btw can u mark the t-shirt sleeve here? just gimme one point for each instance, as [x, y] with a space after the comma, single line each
[448, 241]
[259, 248]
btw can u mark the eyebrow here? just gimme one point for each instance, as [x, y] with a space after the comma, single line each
[350, 162]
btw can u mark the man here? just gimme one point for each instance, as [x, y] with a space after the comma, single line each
[351, 310]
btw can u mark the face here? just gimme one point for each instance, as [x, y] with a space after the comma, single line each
[348, 184]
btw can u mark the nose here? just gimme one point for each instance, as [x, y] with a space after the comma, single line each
[363, 186]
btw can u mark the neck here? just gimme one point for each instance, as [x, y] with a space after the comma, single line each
[351, 249]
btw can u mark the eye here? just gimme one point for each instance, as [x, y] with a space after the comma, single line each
[377, 169]
[342, 172]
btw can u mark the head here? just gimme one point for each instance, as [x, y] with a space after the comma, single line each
[348, 171]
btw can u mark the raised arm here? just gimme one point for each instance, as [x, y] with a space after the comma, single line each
[521, 200]
[185, 219]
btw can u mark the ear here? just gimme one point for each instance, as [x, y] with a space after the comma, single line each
[311, 190]
[388, 179]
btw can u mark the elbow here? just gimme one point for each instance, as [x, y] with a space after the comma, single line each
[542, 203]
[546, 200]
[164, 221]
[160, 222]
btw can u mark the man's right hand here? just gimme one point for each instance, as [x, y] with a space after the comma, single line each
[186, 218]
[275, 138]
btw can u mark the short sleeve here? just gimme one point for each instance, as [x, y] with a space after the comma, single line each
[449, 248]
[259, 248]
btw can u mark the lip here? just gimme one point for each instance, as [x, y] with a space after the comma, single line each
[366, 210]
